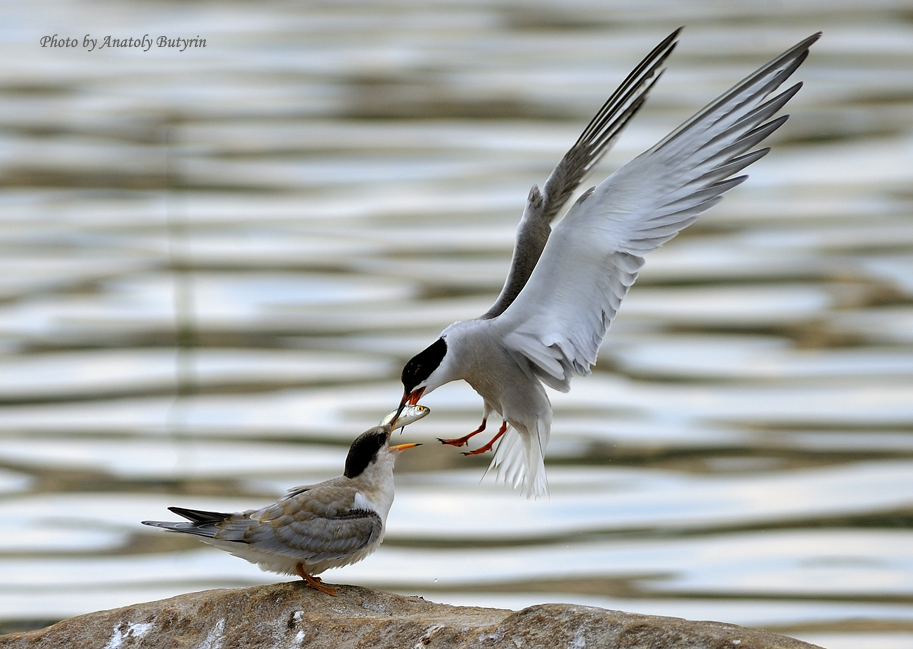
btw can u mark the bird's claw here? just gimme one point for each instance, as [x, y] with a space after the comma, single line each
[462, 441]
[490, 444]
[315, 582]
[459, 441]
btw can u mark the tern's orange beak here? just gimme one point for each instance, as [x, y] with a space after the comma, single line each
[402, 447]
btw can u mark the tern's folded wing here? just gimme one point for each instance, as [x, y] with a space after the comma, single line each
[316, 525]
[559, 320]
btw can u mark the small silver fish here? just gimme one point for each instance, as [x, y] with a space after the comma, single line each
[409, 415]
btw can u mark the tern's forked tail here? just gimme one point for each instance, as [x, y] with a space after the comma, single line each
[520, 459]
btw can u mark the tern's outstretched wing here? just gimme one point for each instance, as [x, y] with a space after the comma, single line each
[596, 139]
[559, 320]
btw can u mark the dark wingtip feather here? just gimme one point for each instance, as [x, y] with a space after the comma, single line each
[198, 515]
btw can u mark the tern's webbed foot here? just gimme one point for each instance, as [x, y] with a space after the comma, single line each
[462, 441]
[489, 445]
[315, 582]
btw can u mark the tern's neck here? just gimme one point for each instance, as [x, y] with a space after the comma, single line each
[376, 484]
[469, 347]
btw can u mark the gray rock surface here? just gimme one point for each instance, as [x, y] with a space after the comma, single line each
[289, 615]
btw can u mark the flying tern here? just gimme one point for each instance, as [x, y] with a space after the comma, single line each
[315, 527]
[565, 286]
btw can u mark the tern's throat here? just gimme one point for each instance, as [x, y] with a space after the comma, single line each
[376, 483]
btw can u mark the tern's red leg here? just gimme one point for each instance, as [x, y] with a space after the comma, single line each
[462, 441]
[315, 582]
[487, 447]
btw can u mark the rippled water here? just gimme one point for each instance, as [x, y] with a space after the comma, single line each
[216, 261]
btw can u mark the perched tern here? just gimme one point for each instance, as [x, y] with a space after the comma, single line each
[315, 527]
[564, 287]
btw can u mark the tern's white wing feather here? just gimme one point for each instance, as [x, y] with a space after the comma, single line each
[597, 138]
[559, 319]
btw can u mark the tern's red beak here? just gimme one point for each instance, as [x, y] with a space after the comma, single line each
[409, 398]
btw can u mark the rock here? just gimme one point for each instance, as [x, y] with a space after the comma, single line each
[289, 615]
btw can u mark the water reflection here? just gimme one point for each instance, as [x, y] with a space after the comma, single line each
[214, 266]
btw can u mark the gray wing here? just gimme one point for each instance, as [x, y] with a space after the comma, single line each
[317, 524]
[597, 250]
[543, 206]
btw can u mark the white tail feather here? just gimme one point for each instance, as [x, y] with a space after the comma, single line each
[519, 461]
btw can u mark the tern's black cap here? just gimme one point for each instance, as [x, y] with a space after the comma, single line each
[421, 366]
[364, 450]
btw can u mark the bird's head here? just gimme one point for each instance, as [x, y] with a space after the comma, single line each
[372, 448]
[424, 372]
